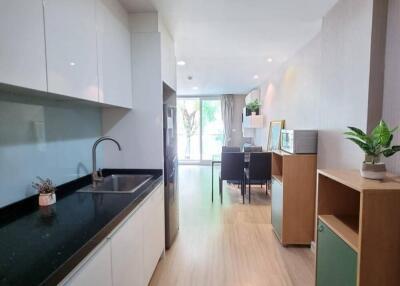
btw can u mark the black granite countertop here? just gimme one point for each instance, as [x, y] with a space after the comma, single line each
[40, 246]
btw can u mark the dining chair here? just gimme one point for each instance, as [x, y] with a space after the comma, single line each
[259, 170]
[249, 149]
[231, 149]
[232, 169]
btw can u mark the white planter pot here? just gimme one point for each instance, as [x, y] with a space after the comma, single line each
[253, 113]
[373, 171]
[47, 199]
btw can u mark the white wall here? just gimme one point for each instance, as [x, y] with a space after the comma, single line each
[391, 100]
[292, 92]
[140, 130]
[345, 66]
[326, 85]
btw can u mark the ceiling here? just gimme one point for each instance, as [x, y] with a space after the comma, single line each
[225, 43]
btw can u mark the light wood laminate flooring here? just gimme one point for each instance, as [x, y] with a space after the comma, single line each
[232, 244]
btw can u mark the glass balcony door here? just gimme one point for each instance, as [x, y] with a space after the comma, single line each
[200, 129]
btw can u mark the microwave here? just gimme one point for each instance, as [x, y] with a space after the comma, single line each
[299, 141]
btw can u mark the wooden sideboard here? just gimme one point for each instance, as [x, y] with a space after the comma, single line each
[293, 195]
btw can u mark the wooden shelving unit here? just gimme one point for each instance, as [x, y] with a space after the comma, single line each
[365, 215]
[293, 197]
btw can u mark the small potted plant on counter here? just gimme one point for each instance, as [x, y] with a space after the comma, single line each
[47, 191]
[253, 107]
[376, 144]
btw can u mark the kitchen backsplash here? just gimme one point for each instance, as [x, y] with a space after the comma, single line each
[43, 137]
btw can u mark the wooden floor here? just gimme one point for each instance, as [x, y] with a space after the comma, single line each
[232, 244]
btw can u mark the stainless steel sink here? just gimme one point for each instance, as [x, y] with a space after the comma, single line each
[118, 184]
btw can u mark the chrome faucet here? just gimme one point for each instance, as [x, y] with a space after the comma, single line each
[95, 176]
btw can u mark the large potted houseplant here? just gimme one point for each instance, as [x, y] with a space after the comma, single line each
[376, 144]
[47, 191]
[253, 107]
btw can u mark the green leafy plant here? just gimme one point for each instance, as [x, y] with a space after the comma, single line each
[378, 143]
[254, 105]
[44, 186]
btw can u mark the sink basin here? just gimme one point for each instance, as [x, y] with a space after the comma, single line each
[118, 184]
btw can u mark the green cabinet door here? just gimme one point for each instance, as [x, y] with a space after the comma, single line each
[277, 206]
[336, 261]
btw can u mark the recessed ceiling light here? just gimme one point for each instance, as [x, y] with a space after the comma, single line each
[269, 60]
[72, 64]
[195, 88]
[181, 63]
[256, 76]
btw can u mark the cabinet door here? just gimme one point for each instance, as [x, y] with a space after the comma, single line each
[153, 232]
[277, 206]
[96, 271]
[22, 48]
[336, 261]
[127, 252]
[114, 49]
[71, 48]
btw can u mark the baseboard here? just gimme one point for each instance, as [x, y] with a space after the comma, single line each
[313, 247]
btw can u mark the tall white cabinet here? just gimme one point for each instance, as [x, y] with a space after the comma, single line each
[71, 48]
[114, 54]
[22, 45]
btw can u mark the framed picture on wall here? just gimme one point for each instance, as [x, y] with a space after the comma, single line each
[274, 134]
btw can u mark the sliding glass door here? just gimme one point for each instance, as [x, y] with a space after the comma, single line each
[200, 129]
[189, 129]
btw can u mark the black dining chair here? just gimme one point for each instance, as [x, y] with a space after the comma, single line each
[232, 169]
[231, 149]
[259, 170]
[250, 149]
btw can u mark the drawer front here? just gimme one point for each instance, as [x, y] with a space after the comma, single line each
[336, 261]
[277, 206]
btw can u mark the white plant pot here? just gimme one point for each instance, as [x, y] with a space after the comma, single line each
[373, 171]
[253, 113]
[47, 199]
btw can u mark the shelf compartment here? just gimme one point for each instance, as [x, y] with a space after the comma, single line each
[278, 178]
[277, 165]
[346, 227]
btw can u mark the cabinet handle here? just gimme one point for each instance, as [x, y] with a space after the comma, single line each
[321, 228]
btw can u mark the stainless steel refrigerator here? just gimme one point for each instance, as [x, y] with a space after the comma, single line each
[171, 195]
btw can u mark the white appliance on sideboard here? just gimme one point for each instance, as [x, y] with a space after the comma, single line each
[299, 141]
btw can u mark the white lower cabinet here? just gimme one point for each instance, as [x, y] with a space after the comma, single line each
[96, 271]
[153, 232]
[130, 254]
[127, 252]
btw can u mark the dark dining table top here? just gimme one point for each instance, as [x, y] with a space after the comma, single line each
[217, 159]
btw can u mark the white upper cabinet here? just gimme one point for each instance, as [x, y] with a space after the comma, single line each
[22, 45]
[168, 59]
[71, 48]
[114, 50]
